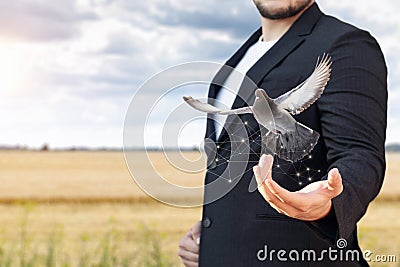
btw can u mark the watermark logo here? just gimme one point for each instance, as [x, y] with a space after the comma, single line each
[341, 243]
[340, 253]
[370, 256]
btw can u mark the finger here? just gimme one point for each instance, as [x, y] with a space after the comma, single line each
[265, 163]
[282, 194]
[189, 244]
[188, 255]
[190, 263]
[257, 174]
[335, 184]
[195, 232]
[269, 199]
[263, 160]
[263, 169]
[277, 203]
[189, 233]
[195, 237]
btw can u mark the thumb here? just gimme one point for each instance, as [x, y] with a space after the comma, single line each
[263, 170]
[196, 229]
[335, 185]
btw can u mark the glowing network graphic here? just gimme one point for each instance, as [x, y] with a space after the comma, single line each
[157, 114]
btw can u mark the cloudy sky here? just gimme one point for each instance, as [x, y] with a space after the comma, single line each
[70, 68]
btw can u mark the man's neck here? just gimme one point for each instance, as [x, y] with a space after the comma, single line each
[275, 29]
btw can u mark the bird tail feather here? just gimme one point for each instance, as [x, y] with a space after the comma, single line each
[291, 146]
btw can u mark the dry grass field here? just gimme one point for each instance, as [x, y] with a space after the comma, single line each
[84, 209]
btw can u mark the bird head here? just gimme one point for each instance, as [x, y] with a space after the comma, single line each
[187, 98]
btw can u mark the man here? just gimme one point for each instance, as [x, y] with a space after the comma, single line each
[313, 205]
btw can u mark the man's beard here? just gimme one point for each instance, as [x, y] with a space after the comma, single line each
[283, 13]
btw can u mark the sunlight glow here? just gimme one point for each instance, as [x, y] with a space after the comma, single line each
[11, 70]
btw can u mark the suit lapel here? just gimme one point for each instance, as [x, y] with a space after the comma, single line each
[285, 45]
[221, 77]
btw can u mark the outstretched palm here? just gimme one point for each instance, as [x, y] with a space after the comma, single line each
[311, 203]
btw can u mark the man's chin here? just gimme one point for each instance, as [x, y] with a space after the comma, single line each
[277, 13]
[283, 13]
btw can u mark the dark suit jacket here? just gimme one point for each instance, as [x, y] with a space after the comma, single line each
[351, 118]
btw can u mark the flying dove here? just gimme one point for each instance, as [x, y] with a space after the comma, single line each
[286, 138]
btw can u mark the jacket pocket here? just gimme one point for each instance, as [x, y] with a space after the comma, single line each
[272, 217]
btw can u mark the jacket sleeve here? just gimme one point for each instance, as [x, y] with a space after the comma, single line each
[353, 110]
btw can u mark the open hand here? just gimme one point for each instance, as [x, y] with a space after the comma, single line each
[311, 203]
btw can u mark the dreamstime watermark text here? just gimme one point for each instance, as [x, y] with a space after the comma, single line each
[340, 253]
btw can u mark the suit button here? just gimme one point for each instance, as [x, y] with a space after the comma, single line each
[206, 222]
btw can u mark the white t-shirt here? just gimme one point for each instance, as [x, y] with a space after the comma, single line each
[225, 96]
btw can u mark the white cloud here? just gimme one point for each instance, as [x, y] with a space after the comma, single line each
[82, 60]
[41, 20]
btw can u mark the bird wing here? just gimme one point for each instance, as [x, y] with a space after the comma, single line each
[198, 105]
[305, 94]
